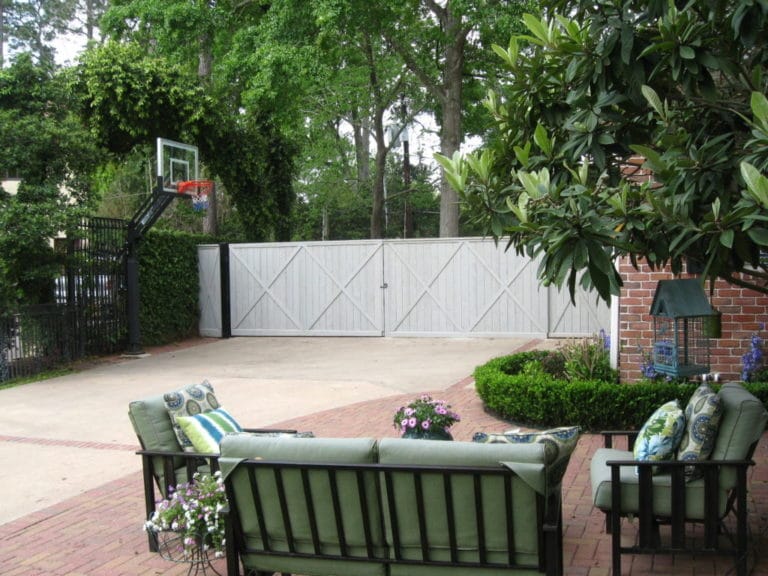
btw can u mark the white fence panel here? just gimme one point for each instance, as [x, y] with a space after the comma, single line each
[306, 288]
[209, 272]
[460, 287]
[434, 287]
[588, 317]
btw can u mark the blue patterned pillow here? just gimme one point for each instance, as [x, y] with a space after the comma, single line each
[702, 415]
[661, 434]
[188, 401]
[558, 445]
[206, 430]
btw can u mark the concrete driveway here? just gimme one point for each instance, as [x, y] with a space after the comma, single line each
[63, 436]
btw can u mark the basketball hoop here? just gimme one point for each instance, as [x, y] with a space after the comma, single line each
[197, 190]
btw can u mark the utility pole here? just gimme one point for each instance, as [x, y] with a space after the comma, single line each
[407, 214]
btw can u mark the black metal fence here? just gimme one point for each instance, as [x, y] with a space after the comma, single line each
[88, 313]
[37, 339]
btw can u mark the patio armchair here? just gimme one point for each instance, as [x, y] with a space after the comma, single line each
[682, 493]
[164, 463]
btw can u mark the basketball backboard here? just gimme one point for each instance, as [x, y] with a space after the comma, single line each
[176, 162]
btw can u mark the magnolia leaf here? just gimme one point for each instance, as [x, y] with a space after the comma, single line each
[542, 139]
[758, 236]
[653, 99]
[757, 184]
[726, 238]
[537, 27]
[759, 104]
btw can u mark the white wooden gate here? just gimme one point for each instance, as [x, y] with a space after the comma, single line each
[314, 288]
[209, 272]
[435, 287]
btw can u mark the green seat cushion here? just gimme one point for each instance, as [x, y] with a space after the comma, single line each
[188, 401]
[661, 434]
[600, 478]
[206, 430]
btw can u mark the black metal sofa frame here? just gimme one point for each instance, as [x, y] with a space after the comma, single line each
[390, 531]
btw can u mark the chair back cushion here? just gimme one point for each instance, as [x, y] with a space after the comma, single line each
[152, 425]
[741, 425]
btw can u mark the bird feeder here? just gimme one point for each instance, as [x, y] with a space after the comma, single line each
[682, 321]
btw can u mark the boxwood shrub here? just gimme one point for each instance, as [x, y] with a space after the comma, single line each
[537, 399]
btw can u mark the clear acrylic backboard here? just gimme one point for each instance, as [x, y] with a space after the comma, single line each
[176, 162]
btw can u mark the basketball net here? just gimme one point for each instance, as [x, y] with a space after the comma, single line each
[198, 191]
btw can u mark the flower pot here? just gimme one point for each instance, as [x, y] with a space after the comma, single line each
[427, 434]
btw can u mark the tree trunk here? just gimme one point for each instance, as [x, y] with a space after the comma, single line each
[204, 67]
[362, 138]
[377, 210]
[451, 129]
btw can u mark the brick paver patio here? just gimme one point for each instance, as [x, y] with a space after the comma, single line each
[99, 532]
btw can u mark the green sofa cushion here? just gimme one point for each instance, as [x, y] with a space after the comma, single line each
[237, 447]
[531, 457]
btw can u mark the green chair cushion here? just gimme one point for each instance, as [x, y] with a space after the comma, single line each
[600, 478]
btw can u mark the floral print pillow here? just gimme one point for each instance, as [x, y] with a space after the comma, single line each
[661, 434]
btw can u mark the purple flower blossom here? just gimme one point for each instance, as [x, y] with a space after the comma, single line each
[425, 414]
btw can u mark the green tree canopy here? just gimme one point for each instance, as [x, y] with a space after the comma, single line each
[47, 148]
[591, 84]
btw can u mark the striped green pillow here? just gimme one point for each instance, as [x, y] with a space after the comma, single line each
[206, 430]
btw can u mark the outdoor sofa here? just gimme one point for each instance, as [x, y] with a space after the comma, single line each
[681, 493]
[390, 507]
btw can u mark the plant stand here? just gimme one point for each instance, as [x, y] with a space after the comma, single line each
[170, 546]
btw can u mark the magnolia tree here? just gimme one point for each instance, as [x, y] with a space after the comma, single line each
[683, 89]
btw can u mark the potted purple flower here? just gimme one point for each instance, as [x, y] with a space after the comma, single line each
[426, 418]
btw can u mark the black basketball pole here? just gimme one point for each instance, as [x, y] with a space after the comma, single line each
[145, 217]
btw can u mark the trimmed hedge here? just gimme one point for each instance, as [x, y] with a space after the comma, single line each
[539, 400]
[169, 286]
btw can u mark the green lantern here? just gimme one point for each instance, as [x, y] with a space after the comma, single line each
[683, 324]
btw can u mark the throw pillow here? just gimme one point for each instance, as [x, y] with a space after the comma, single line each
[206, 430]
[188, 401]
[558, 445]
[661, 434]
[702, 416]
